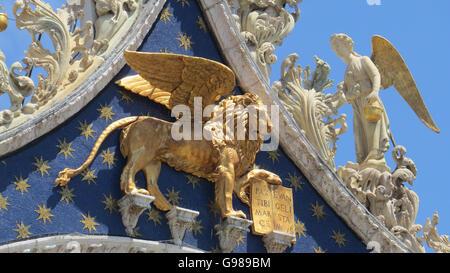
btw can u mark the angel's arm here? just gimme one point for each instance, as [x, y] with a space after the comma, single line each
[374, 75]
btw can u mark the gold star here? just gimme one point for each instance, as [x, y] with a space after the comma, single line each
[41, 166]
[339, 238]
[154, 216]
[66, 194]
[319, 250]
[201, 24]
[108, 158]
[196, 227]
[274, 155]
[300, 229]
[106, 112]
[318, 211]
[185, 41]
[183, 2]
[88, 175]
[240, 240]
[193, 180]
[89, 222]
[213, 207]
[3, 202]
[145, 114]
[165, 15]
[21, 184]
[86, 130]
[173, 197]
[163, 51]
[22, 231]
[110, 203]
[65, 148]
[44, 213]
[125, 96]
[295, 181]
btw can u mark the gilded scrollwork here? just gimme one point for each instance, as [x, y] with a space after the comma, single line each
[78, 46]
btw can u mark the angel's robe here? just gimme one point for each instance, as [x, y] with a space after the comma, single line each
[371, 138]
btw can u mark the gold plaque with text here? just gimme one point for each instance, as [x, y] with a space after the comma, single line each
[272, 208]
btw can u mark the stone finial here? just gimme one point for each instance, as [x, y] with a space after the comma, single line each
[131, 206]
[229, 232]
[179, 220]
[277, 241]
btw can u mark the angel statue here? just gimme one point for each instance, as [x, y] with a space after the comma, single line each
[177, 80]
[363, 79]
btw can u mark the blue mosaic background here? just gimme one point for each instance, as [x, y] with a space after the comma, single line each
[87, 198]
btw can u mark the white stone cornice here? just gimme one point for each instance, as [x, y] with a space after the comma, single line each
[77, 243]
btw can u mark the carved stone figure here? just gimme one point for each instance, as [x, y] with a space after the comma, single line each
[440, 243]
[16, 86]
[363, 79]
[383, 192]
[112, 14]
[146, 142]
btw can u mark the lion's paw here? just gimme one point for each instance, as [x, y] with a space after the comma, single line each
[239, 214]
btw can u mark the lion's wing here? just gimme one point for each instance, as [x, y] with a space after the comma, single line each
[172, 79]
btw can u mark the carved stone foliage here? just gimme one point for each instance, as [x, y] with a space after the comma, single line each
[302, 94]
[180, 220]
[386, 196]
[430, 235]
[229, 232]
[264, 24]
[131, 206]
[78, 49]
[277, 241]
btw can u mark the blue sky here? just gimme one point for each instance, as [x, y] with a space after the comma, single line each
[420, 32]
[418, 29]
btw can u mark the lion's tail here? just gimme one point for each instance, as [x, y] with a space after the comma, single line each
[67, 174]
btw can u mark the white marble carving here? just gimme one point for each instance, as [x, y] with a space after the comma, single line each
[277, 241]
[264, 24]
[179, 220]
[302, 94]
[386, 196]
[131, 206]
[73, 243]
[430, 235]
[230, 230]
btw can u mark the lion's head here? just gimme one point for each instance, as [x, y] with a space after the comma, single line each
[239, 118]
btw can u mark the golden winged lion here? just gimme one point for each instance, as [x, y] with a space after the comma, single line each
[146, 142]
[364, 76]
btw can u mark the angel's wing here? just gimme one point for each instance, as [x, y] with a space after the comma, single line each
[394, 71]
[172, 79]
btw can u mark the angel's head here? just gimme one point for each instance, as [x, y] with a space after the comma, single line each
[342, 45]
